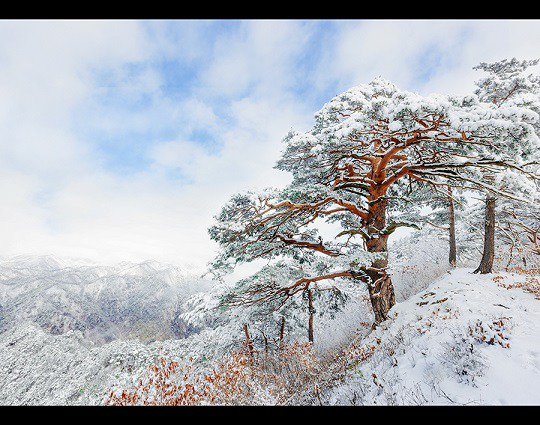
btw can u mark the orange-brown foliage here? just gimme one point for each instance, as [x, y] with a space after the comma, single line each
[531, 284]
[239, 378]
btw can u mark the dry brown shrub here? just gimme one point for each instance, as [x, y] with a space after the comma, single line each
[531, 285]
[357, 353]
[491, 333]
[524, 271]
[266, 377]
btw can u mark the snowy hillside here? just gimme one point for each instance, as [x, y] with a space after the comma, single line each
[466, 339]
[69, 329]
[40, 368]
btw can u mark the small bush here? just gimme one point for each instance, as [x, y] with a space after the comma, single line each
[491, 333]
[463, 358]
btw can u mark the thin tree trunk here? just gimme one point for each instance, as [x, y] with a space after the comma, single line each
[311, 311]
[265, 339]
[510, 255]
[452, 255]
[380, 288]
[249, 343]
[486, 264]
[281, 332]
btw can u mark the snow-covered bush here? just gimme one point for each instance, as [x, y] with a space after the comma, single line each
[461, 355]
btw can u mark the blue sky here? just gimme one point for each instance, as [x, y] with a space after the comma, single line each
[178, 79]
[179, 76]
[121, 139]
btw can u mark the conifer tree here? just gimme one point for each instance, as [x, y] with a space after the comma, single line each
[358, 161]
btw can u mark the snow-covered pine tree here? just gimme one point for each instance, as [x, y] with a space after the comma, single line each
[367, 144]
[516, 228]
[507, 85]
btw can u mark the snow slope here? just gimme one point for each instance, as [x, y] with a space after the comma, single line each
[466, 339]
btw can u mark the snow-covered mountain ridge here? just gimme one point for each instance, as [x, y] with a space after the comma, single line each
[126, 300]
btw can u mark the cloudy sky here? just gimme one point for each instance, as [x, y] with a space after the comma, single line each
[119, 140]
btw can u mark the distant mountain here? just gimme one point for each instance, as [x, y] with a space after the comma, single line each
[122, 301]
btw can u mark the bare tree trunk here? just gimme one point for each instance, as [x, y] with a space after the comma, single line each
[265, 339]
[311, 311]
[452, 255]
[381, 290]
[249, 343]
[486, 264]
[281, 332]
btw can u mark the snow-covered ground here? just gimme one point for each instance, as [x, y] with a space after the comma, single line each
[466, 339]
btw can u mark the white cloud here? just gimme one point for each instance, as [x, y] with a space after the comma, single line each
[393, 49]
[259, 56]
[59, 197]
[44, 76]
[43, 70]
[441, 51]
[486, 41]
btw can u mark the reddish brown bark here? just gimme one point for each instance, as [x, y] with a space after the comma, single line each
[380, 287]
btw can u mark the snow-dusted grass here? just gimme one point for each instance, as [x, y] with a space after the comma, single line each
[466, 339]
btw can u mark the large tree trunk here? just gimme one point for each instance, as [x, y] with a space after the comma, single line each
[486, 264]
[311, 311]
[452, 255]
[381, 290]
